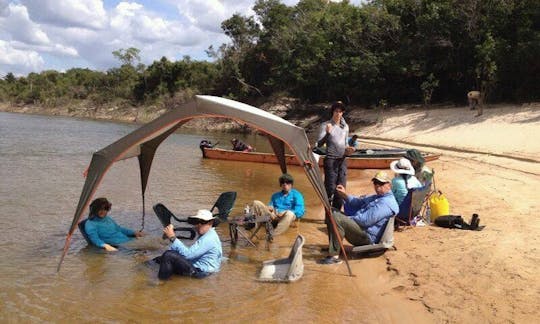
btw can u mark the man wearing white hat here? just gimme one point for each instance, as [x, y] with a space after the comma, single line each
[364, 217]
[198, 260]
[404, 179]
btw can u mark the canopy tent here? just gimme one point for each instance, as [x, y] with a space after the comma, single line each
[143, 142]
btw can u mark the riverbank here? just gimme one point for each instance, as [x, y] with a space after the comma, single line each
[490, 166]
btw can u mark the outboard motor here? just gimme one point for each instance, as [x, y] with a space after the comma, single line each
[205, 144]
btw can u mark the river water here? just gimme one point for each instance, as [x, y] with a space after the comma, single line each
[42, 160]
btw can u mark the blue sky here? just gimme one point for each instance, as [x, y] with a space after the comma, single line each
[37, 35]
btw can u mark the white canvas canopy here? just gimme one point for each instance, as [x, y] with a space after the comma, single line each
[143, 142]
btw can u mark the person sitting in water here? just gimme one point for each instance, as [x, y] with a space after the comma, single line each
[353, 142]
[364, 217]
[238, 145]
[200, 259]
[285, 206]
[404, 179]
[103, 231]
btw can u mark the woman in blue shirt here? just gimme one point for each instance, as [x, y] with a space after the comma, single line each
[102, 230]
[404, 179]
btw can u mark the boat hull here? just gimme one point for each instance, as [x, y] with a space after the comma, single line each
[372, 161]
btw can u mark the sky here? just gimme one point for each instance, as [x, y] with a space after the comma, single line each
[37, 35]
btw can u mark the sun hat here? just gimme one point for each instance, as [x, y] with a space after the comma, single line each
[381, 176]
[203, 214]
[402, 166]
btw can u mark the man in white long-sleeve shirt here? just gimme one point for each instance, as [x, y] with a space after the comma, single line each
[198, 260]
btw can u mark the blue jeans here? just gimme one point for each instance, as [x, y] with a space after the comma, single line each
[335, 172]
[172, 262]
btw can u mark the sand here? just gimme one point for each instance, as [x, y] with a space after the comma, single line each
[490, 166]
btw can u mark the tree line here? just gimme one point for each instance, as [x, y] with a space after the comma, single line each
[383, 52]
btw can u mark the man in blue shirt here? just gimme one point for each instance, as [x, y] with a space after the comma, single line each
[285, 206]
[365, 217]
[200, 259]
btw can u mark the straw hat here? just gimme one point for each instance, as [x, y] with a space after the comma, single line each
[402, 166]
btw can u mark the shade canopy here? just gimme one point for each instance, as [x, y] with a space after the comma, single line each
[143, 142]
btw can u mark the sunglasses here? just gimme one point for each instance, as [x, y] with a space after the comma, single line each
[196, 221]
[378, 183]
[287, 182]
[106, 207]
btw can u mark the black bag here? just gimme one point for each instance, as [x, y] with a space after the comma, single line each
[455, 221]
[450, 221]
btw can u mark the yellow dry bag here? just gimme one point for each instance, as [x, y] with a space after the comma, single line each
[439, 205]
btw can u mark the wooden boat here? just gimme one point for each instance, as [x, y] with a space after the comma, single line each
[362, 159]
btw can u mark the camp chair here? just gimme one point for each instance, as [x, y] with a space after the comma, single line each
[221, 209]
[83, 231]
[414, 204]
[285, 270]
[386, 240]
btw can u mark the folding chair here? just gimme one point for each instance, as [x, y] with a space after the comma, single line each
[414, 204]
[83, 231]
[386, 240]
[221, 209]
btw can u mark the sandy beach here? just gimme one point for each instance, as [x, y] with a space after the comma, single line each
[490, 165]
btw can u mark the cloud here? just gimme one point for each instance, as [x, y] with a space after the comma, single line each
[208, 15]
[18, 62]
[18, 24]
[68, 13]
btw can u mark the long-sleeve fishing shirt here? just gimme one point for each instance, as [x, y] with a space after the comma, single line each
[106, 230]
[205, 254]
[293, 201]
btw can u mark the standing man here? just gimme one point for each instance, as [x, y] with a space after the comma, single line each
[334, 133]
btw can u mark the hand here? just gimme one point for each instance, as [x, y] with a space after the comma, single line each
[169, 231]
[139, 234]
[109, 248]
[349, 150]
[340, 190]
[328, 128]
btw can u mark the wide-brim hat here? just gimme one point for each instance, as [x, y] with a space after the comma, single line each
[203, 214]
[402, 166]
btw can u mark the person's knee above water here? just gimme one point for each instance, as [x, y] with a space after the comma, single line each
[238, 145]
[364, 218]
[334, 133]
[200, 259]
[102, 230]
[404, 179]
[285, 206]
